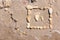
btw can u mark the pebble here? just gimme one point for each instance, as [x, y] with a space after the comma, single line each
[50, 10]
[36, 17]
[50, 26]
[42, 18]
[6, 9]
[28, 18]
[41, 27]
[28, 25]
[29, 12]
[29, 7]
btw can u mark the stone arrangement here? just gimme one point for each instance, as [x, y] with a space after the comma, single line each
[29, 8]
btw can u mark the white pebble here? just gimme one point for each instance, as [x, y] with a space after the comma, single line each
[6, 9]
[38, 27]
[41, 27]
[50, 10]
[28, 25]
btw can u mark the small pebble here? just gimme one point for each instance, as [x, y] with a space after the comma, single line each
[28, 18]
[50, 26]
[50, 10]
[28, 25]
[41, 27]
[6, 9]
[38, 27]
[29, 7]
[50, 19]
[36, 17]
[29, 12]
[41, 17]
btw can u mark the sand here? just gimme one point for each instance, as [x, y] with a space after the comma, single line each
[13, 21]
